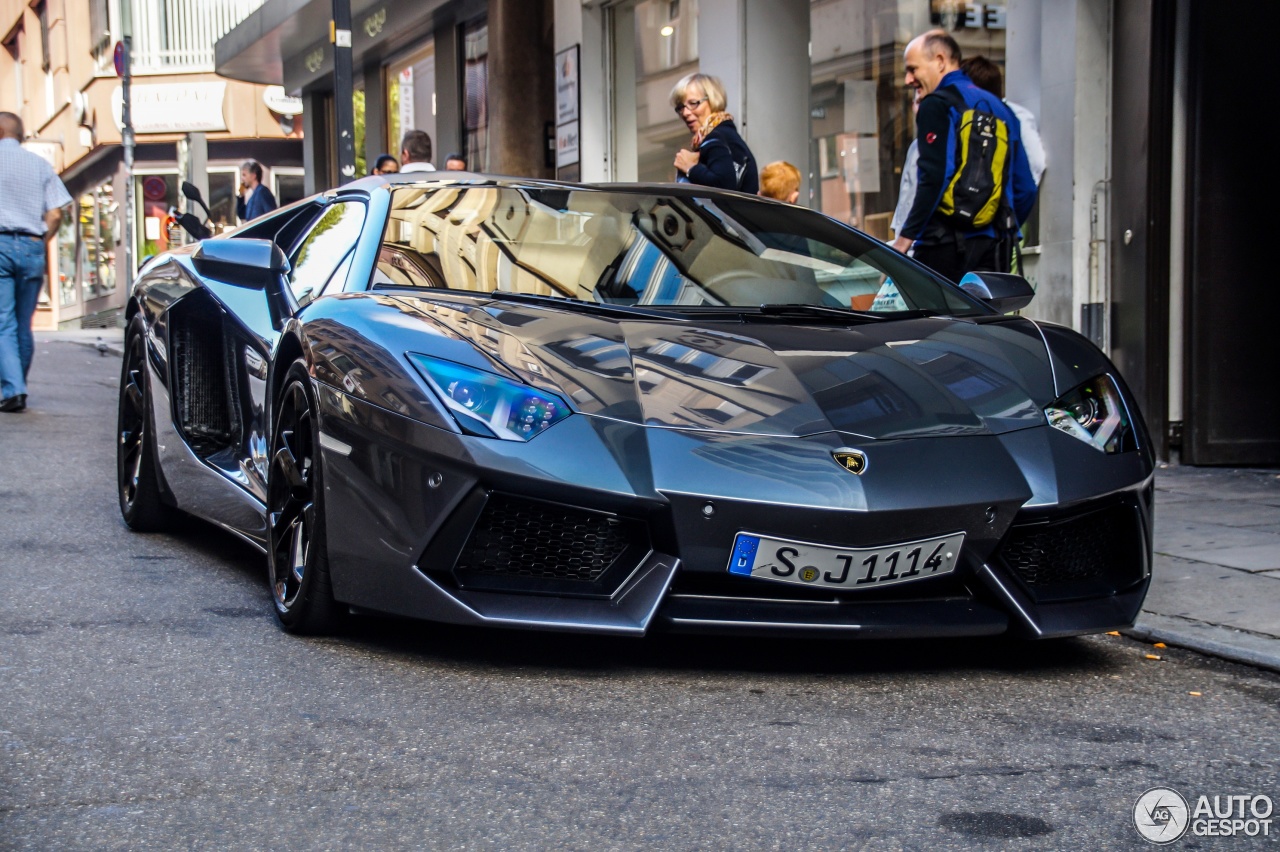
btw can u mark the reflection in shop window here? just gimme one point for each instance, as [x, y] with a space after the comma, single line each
[666, 49]
[67, 261]
[98, 219]
[411, 99]
[861, 117]
[475, 95]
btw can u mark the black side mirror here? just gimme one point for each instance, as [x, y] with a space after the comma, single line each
[1002, 291]
[249, 263]
[193, 194]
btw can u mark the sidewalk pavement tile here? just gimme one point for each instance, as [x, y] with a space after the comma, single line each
[1214, 595]
[1206, 533]
[1173, 505]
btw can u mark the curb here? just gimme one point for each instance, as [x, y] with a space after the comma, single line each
[1232, 645]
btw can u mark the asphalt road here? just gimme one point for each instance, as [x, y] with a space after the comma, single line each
[147, 700]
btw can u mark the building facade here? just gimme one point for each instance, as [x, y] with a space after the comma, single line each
[1142, 235]
[476, 75]
[1144, 231]
[57, 73]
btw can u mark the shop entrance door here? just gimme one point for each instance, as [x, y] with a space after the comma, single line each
[1232, 342]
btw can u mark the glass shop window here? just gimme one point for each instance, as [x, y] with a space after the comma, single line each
[655, 43]
[862, 122]
[411, 100]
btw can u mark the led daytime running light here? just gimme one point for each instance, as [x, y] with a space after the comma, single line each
[489, 405]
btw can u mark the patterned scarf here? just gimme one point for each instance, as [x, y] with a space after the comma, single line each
[713, 120]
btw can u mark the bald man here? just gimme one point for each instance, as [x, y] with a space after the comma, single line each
[953, 247]
[29, 216]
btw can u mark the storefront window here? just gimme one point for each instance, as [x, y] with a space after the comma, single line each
[67, 262]
[291, 184]
[98, 217]
[357, 122]
[862, 121]
[155, 194]
[411, 100]
[475, 95]
[655, 43]
[222, 198]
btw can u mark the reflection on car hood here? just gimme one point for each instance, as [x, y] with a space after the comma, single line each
[883, 379]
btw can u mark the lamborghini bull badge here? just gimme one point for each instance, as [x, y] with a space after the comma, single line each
[854, 461]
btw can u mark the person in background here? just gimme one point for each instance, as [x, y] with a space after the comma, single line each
[385, 165]
[717, 155]
[985, 74]
[415, 152]
[30, 213]
[780, 180]
[254, 197]
[953, 248]
[910, 174]
[455, 163]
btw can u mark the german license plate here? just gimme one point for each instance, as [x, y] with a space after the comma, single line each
[808, 564]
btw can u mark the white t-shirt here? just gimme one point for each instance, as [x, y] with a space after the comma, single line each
[1036, 157]
[417, 167]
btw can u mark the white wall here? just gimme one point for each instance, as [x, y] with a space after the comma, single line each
[1059, 67]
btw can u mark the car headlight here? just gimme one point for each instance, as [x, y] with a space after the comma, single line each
[490, 405]
[1094, 413]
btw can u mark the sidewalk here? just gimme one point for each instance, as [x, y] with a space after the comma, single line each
[1216, 584]
[112, 338]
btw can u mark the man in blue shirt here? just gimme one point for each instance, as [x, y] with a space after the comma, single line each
[31, 202]
[952, 248]
[255, 199]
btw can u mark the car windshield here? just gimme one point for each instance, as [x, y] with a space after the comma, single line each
[676, 249]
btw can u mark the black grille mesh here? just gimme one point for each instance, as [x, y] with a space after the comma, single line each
[201, 377]
[1089, 547]
[522, 538]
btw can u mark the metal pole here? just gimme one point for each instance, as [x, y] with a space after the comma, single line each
[343, 92]
[126, 118]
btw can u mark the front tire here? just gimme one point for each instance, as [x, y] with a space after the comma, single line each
[137, 481]
[297, 556]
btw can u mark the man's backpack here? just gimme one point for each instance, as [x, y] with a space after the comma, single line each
[975, 197]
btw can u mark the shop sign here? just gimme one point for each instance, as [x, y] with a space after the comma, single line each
[281, 103]
[567, 85]
[407, 116]
[567, 145]
[968, 16]
[173, 107]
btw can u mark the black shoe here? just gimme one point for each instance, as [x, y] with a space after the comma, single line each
[17, 402]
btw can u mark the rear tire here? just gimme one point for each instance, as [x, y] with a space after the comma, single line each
[137, 481]
[298, 554]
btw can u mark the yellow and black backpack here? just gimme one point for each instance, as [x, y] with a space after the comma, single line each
[976, 193]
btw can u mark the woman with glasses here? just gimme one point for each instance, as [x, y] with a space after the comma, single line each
[718, 155]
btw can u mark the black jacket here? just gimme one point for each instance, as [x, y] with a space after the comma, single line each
[725, 161]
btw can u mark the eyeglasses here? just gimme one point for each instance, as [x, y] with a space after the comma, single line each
[689, 105]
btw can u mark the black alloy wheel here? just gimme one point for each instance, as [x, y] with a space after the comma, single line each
[297, 557]
[138, 484]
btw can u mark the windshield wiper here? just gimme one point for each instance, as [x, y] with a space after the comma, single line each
[803, 310]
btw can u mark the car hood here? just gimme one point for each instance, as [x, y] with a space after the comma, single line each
[877, 379]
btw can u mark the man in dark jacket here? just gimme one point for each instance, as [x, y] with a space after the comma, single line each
[950, 248]
[255, 199]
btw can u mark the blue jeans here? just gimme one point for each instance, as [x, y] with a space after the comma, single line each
[22, 267]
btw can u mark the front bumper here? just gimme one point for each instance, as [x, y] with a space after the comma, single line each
[414, 531]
